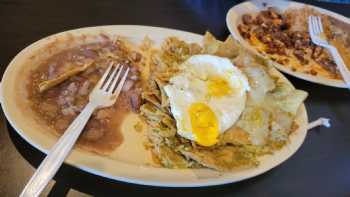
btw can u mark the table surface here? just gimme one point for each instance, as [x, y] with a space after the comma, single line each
[320, 168]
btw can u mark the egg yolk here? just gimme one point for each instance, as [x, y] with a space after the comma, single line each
[204, 124]
[218, 86]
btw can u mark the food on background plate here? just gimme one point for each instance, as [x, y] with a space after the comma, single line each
[284, 38]
[208, 105]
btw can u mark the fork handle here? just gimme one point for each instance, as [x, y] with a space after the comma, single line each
[57, 154]
[344, 71]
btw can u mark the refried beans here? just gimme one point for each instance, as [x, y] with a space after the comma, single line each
[60, 104]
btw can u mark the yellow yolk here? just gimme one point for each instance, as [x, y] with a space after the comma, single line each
[204, 124]
[218, 86]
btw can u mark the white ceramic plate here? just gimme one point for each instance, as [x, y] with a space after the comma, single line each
[233, 18]
[129, 162]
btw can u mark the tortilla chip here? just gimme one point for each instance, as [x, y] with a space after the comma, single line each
[170, 158]
[286, 98]
[255, 120]
[234, 136]
[223, 158]
[260, 83]
[45, 85]
[211, 44]
[229, 49]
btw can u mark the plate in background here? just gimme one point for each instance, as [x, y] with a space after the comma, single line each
[233, 19]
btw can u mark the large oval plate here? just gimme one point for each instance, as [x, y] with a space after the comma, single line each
[233, 18]
[130, 162]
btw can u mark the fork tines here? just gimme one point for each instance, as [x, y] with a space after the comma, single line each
[111, 77]
[316, 24]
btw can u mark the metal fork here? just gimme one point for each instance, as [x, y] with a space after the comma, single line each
[318, 38]
[104, 94]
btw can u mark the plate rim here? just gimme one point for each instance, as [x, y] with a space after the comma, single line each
[72, 162]
[306, 77]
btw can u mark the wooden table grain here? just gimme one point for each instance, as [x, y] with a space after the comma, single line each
[320, 168]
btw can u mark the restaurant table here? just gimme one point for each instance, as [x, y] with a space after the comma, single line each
[321, 167]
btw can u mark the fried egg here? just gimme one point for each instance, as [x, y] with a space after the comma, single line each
[206, 97]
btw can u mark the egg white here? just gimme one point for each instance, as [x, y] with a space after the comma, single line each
[190, 86]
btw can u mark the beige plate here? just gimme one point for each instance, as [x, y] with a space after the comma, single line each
[233, 18]
[130, 162]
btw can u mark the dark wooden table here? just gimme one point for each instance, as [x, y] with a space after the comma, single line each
[320, 168]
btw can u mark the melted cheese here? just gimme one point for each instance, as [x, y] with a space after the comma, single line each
[293, 63]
